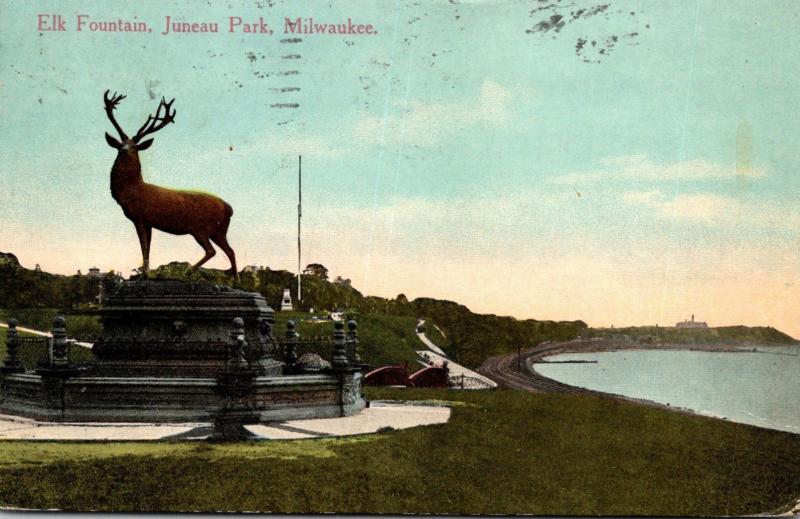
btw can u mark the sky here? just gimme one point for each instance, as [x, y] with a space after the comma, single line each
[629, 163]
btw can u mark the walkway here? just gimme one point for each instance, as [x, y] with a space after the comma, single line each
[427, 342]
[437, 356]
[456, 370]
[379, 416]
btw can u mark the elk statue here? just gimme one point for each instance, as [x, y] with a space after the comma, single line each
[204, 216]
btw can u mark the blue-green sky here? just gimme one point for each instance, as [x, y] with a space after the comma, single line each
[459, 153]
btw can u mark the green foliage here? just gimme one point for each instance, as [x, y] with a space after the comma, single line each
[6, 258]
[316, 270]
[23, 288]
[471, 338]
[184, 271]
[502, 452]
[723, 334]
[321, 294]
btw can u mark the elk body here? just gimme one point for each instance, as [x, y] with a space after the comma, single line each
[204, 216]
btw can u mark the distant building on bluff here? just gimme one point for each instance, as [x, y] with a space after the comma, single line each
[691, 324]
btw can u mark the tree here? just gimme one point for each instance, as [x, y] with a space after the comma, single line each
[342, 281]
[317, 270]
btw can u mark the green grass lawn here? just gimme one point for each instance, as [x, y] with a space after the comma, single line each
[83, 327]
[30, 353]
[502, 452]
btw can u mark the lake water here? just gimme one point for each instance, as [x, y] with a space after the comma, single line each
[758, 388]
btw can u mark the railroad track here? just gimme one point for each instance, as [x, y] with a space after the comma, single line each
[503, 370]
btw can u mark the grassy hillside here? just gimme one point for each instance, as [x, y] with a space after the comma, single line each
[502, 452]
[470, 338]
[384, 339]
[728, 334]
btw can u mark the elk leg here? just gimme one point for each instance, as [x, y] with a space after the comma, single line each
[210, 252]
[222, 241]
[145, 233]
[148, 235]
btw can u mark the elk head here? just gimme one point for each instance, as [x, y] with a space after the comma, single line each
[153, 124]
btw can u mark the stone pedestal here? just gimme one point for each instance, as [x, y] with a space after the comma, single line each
[178, 329]
[237, 388]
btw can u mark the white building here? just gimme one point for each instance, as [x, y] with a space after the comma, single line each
[691, 324]
[286, 302]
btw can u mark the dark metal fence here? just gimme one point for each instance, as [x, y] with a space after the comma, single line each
[322, 346]
[40, 345]
[465, 382]
[340, 350]
[36, 341]
[345, 352]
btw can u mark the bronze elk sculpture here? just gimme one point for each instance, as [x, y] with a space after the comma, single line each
[204, 216]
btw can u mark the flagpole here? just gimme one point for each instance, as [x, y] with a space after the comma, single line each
[299, 215]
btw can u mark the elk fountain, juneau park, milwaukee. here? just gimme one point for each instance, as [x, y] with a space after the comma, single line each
[177, 351]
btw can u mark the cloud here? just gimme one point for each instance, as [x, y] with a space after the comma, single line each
[425, 124]
[640, 167]
[694, 207]
[710, 208]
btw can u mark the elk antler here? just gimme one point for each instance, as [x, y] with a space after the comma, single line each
[110, 104]
[157, 121]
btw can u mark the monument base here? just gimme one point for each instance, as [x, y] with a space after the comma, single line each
[172, 351]
[160, 399]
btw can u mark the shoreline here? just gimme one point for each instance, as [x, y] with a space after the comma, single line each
[507, 371]
[547, 349]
